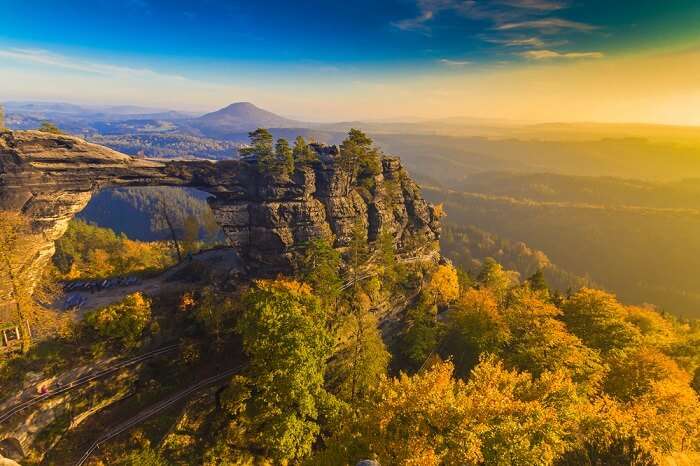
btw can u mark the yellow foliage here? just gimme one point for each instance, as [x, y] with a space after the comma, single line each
[186, 302]
[443, 287]
[656, 329]
[281, 283]
[439, 210]
[633, 373]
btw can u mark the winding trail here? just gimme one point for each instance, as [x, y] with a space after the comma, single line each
[153, 410]
[85, 379]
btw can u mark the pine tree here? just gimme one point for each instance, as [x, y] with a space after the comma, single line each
[285, 159]
[537, 281]
[261, 148]
[302, 152]
[358, 155]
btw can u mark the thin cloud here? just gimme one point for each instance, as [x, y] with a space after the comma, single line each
[414, 24]
[548, 25]
[552, 54]
[519, 42]
[540, 5]
[497, 11]
[448, 62]
[46, 58]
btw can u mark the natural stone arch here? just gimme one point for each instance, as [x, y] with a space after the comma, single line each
[50, 178]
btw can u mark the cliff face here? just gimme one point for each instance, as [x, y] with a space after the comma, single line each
[265, 217]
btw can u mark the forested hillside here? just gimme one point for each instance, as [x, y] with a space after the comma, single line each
[469, 247]
[140, 212]
[645, 253]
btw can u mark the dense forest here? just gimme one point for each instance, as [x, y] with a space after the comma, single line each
[139, 212]
[361, 352]
[476, 370]
[643, 252]
[168, 145]
[469, 247]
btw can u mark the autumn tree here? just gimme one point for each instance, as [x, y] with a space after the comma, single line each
[17, 243]
[475, 325]
[541, 342]
[598, 319]
[498, 417]
[443, 286]
[632, 373]
[124, 321]
[283, 327]
[86, 251]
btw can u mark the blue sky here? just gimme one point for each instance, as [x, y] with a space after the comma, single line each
[266, 48]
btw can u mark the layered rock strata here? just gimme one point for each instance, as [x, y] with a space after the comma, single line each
[266, 217]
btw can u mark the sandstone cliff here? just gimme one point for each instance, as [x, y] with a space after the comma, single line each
[265, 217]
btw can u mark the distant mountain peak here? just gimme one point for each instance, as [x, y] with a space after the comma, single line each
[242, 116]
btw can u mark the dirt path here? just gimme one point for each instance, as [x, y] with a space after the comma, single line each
[222, 261]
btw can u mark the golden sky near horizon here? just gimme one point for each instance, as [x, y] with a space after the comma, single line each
[656, 87]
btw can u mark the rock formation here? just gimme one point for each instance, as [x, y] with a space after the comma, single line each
[265, 217]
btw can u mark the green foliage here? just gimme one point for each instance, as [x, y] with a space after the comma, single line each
[284, 155]
[469, 247]
[212, 312]
[537, 282]
[320, 268]
[358, 155]
[49, 127]
[493, 277]
[358, 250]
[302, 153]
[124, 321]
[361, 359]
[421, 334]
[146, 456]
[392, 272]
[284, 334]
[276, 159]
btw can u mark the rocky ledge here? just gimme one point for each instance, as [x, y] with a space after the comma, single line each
[265, 217]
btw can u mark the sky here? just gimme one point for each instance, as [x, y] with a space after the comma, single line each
[529, 60]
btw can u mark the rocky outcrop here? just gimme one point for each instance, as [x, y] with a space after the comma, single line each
[266, 217]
